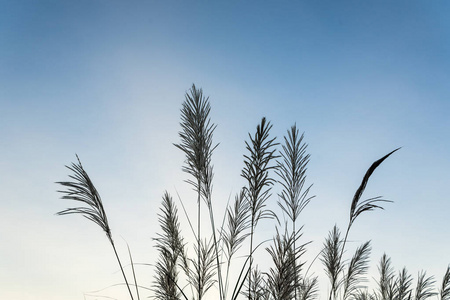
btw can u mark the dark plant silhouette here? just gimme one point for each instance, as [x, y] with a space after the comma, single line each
[445, 287]
[82, 189]
[257, 165]
[196, 142]
[294, 196]
[333, 263]
[170, 246]
[331, 259]
[215, 249]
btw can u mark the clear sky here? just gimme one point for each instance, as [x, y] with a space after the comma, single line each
[106, 79]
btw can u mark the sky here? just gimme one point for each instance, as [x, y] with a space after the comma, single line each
[106, 80]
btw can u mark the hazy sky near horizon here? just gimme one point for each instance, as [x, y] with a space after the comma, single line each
[106, 80]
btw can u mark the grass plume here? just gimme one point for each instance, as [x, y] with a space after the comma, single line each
[257, 165]
[196, 142]
[444, 292]
[356, 269]
[424, 288]
[82, 190]
[170, 246]
[331, 259]
[284, 279]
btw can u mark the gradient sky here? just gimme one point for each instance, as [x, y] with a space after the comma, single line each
[106, 79]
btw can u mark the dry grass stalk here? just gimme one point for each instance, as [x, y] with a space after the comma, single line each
[257, 165]
[424, 288]
[357, 268]
[170, 246]
[196, 142]
[81, 189]
[292, 172]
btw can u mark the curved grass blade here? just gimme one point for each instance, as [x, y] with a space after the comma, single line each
[358, 207]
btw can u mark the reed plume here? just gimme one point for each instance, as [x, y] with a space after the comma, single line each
[331, 259]
[257, 165]
[170, 246]
[82, 190]
[237, 217]
[281, 283]
[386, 282]
[292, 172]
[356, 269]
[196, 142]
[444, 292]
[424, 288]
[403, 285]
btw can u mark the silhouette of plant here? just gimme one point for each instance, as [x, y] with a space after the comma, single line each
[82, 189]
[178, 276]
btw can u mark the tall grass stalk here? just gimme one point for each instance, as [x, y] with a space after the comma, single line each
[292, 171]
[331, 260]
[424, 288]
[284, 278]
[403, 285]
[386, 283]
[356, 209]
[257, 164]
[236, 233]
[196, 142]
[81, 189]
[170, 246]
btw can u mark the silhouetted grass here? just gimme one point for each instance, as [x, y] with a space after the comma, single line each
[219, 250]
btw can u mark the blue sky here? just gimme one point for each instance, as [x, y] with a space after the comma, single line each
[106, 80]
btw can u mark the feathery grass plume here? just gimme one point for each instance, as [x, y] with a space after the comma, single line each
[292, 171]
[386, 282]
[196, 142]
[257, 287]
[256, 171]
[309, 288]
[170, 246]
[257, 165]
[367, 205]
[281, 282]
[403, 285]
[205, 270]
[331, 260]
[358, 207]
[82, 189]
[424, 288]
[356, 269]
[444, 292]
[237, 225]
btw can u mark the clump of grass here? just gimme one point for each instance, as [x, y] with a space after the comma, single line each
[334, 247]
[176, 272]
